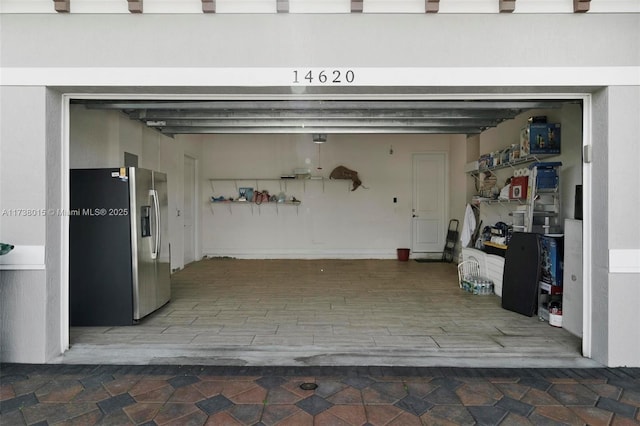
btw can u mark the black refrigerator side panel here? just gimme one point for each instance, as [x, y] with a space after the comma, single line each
[100, 265]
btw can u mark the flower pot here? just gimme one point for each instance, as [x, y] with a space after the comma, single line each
[403, 254]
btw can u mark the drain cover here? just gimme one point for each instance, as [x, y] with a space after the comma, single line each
[308, 386]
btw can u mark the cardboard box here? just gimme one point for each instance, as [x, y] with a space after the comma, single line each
[551, 260]
[540, 138]
[519, 187]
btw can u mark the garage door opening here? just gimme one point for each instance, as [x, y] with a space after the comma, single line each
[316, 282]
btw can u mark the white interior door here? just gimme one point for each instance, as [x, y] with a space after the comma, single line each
[430, 194]
[189, 209]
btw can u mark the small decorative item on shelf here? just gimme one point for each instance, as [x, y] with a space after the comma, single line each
[260, 197]
[245, 194]
[487, 182]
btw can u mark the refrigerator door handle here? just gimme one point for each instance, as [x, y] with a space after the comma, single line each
[156, 206]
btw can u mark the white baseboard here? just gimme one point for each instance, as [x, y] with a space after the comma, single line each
[302, 254]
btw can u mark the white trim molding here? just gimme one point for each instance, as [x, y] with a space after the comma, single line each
[624, 261]
[286, 77]
[23, 258]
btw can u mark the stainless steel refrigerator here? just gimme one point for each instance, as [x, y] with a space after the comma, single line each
[119, 259]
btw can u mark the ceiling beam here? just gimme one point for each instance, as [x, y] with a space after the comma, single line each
[135, 6]
[315, 114]
[209, 6]
[319, 105]
[282, 6]
[309, 130]
[328, 122]
[62, 6]
[507, 6]
[431, 6]
[581, 6]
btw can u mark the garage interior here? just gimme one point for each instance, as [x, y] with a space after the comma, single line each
[318, 283]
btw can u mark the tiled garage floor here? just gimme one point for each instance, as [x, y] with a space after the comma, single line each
[327, 312]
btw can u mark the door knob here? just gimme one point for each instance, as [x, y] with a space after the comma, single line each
[414, 215]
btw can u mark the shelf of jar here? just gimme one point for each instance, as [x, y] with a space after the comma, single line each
[282, 182]
[517, 162]
[485, 200]
[291, 203]
[254, 206]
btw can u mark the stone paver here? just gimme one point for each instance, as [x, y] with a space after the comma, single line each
[344, 396]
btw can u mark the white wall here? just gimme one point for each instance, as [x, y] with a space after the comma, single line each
[100, 138]
[353, 40]
[331, 221]
[315, 6]
[23, 293]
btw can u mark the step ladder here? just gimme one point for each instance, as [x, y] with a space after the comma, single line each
[452, 239]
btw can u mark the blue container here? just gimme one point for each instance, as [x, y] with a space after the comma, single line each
[547, 174]
[544, 138]
[551, 259]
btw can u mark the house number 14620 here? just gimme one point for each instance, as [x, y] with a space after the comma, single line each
[323, 77]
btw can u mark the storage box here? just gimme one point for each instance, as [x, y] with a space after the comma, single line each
[518, 188]
[540, 138]
[547, 175]
[551, 260]
[547, 179]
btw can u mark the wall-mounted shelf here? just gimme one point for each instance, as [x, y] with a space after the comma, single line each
[258, 184]
[499, 201]
[255, 182]
[282, 182]
[542, 211]
[517, 162]
[254, 206]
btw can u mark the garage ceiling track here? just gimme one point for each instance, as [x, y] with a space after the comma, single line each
[320, 116]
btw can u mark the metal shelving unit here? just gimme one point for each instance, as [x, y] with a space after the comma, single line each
[542, 215]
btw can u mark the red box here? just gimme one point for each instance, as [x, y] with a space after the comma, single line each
[518, 188]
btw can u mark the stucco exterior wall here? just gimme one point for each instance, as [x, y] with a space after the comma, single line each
[449, 54]
[624, 232]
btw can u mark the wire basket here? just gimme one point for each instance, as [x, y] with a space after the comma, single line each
[470, 279]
